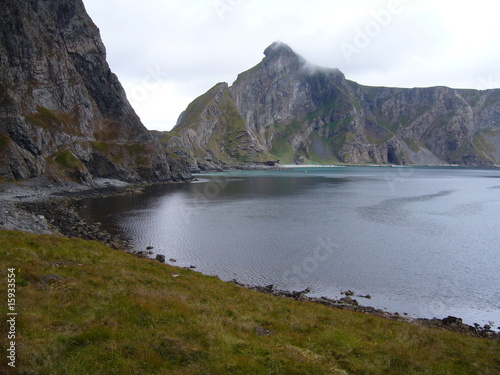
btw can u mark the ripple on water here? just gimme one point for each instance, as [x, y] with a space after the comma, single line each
[429, 247]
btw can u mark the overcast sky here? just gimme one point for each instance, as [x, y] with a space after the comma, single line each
[168, 52]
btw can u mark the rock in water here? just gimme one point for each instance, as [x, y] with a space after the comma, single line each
[160, 258]
[347, 293]
[63, 113]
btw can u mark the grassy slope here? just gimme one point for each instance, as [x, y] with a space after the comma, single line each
[117, 314]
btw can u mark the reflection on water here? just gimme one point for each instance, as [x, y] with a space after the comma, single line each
[421, 240]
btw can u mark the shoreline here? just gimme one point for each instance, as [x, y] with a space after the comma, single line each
[287, 167]
[294, 166]
[39, 207]
[450, 323]
[51, 210]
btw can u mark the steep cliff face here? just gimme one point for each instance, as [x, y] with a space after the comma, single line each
[62, 111]
[285, 108]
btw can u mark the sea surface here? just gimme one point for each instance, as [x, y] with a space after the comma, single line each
[420, 241]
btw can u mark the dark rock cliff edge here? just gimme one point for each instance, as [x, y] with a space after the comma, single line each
[63, 113]
[290, 110]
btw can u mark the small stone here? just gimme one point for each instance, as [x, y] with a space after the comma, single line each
[262, 331]
[348, 293]
[50, 279]
[172, 260]
[160, 258]
[349, 301]
[452, 320]
[149, 248]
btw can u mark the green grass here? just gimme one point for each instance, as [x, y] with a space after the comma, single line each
[47, 119]
[44, 118]
[282, 149]
[138, 152]
[191, 116]
[484, 148]
[118, 314]
[379, 141]
[481, 144]
[340, 139]
[234, 127]
[100, 146]
[67, 160]
[119, 153]
[413, 144]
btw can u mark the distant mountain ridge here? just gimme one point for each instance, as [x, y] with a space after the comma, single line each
[63, 113]
[288, 109]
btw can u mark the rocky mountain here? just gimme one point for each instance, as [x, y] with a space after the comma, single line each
[63, 113]
[288, 109]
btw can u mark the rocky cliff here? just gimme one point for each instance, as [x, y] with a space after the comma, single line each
[63, 113]
[288, 109]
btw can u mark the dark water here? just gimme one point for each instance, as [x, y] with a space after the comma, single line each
[424, 241]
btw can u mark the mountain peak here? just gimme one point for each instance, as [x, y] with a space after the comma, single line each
[278, 47]
[279, 55]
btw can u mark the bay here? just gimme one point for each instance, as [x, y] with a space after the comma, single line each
[421, 241]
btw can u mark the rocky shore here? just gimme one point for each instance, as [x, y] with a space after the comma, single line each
[450, 323]
[223, 167]
[62, 216]
[41, 208]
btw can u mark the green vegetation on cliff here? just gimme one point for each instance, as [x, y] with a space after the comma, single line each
[55, 99]
[4, 141]
[67, 160]
[87, 309]
[295, 112]
[44, 118]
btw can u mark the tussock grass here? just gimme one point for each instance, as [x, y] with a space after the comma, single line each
[118, 314]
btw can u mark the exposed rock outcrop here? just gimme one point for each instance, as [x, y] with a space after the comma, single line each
[288, 109]
[63, 113]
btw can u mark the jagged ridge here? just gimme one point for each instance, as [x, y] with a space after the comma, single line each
[297, 112]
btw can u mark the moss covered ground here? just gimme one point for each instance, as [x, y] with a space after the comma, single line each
[84, 308]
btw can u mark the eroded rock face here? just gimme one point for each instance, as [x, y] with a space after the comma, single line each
[62, 111]
[286, 108]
